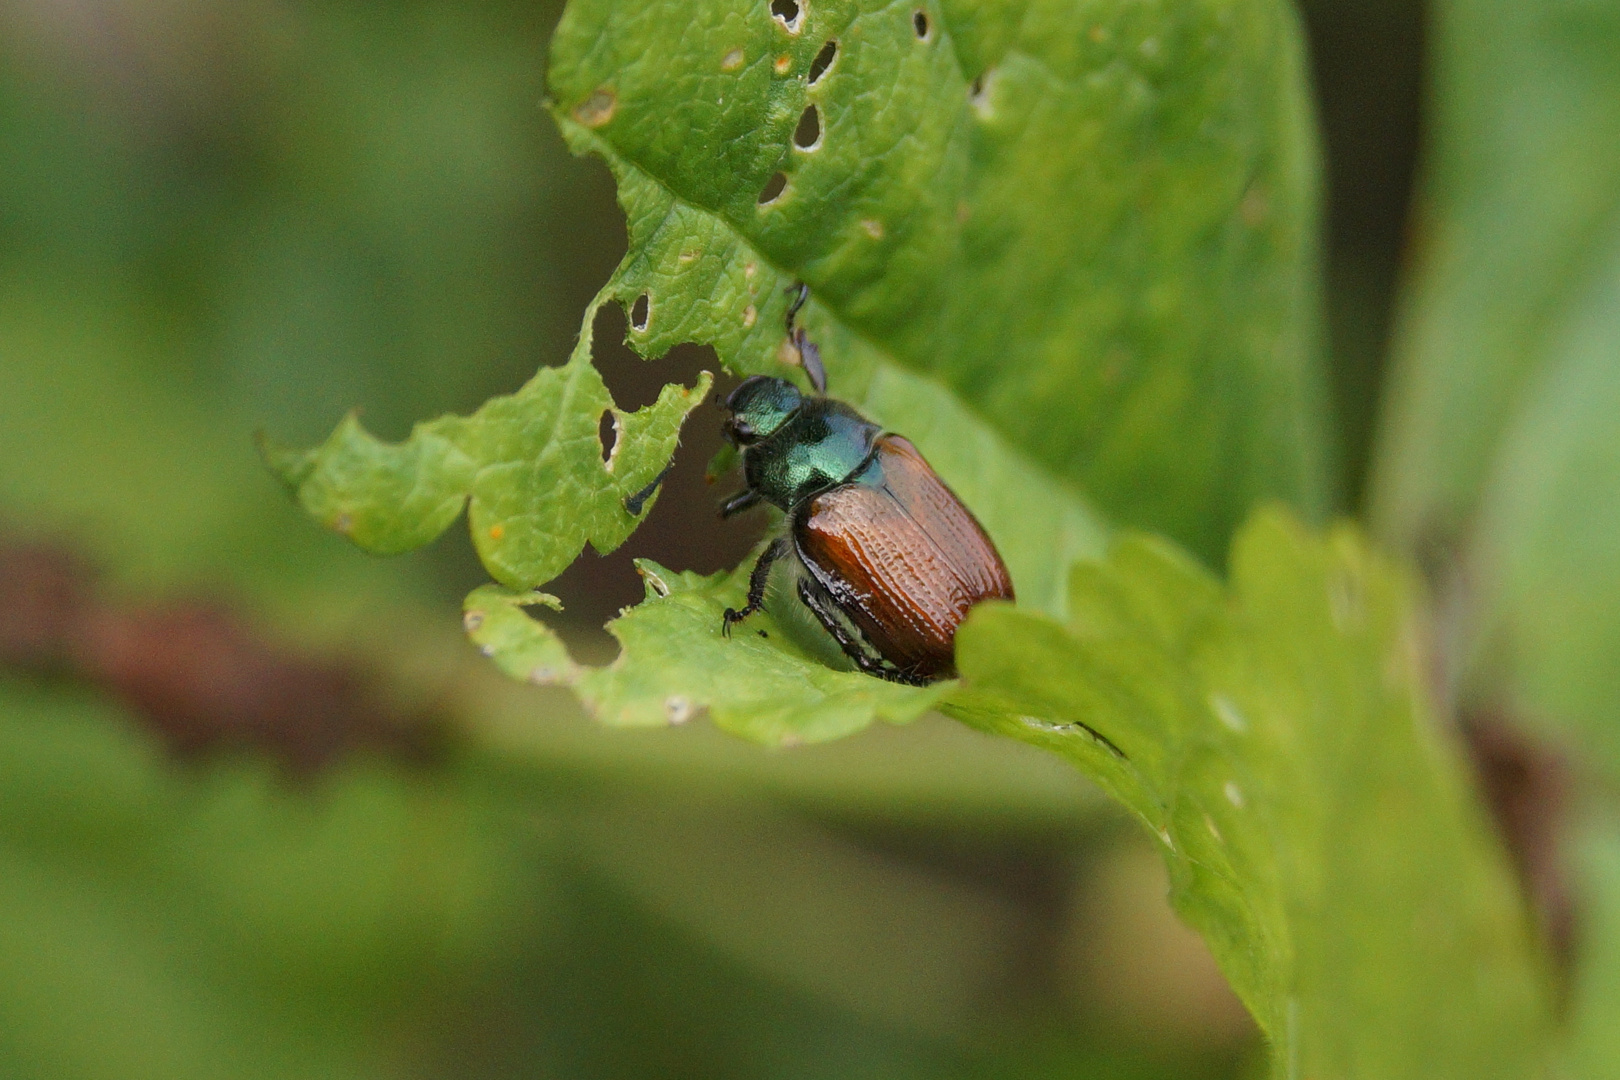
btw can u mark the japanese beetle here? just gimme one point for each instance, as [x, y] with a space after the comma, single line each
[891, 559]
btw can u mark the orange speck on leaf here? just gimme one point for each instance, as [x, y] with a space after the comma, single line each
[597, 109]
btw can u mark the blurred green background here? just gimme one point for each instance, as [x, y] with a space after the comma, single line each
[219, 218]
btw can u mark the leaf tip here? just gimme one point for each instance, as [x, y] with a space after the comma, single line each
[291, 467]
[652, 574]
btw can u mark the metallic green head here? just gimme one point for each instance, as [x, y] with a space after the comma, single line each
[795, 446]
[758, 407]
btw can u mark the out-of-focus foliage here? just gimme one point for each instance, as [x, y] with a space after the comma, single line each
[1500, 439]
[1520, 191]
[1499, 462]
[1593, 1044]
[1271, 735]
[211, 222]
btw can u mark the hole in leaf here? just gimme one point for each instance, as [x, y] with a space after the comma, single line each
[787, 12]
[773, 188]
[808, 133]
[639, 312]
[823, 61]
[683, 531]
[919, 23]
[608, 432]
[980, 91]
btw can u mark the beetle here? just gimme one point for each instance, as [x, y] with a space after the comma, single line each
[891, 559]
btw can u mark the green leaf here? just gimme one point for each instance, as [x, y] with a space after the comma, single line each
[1053, 253]
[1519, 210]
[676, 663]
[1501, 459]
[529, 466]
[1317, 825]
[1501, 446]
[1546, 555]
[1592, 1042]
[1092, 226]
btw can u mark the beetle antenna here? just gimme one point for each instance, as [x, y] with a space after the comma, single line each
[810, 358]
[803, 293]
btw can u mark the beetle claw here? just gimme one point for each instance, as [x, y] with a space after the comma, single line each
[800, 293]
[810, 360]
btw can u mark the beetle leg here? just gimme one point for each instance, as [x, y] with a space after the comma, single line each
[800, 293]
[634, 503]
[817, 603]
[810, 359]
[739, 502]
[757, 580]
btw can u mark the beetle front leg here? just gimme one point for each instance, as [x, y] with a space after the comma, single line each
[739, 502]
[757, 580]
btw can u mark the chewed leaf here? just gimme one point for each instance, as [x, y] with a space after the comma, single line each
[1091, 225]
[519, 646]
[1318, 829]
[676, 664]
[708, 283]
[528, 466]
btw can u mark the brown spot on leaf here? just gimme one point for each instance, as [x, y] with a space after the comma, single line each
[597, 109]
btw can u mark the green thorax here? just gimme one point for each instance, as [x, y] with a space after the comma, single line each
[821, 445]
